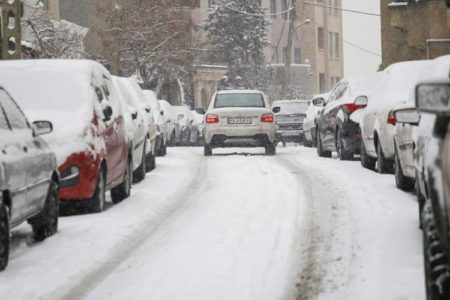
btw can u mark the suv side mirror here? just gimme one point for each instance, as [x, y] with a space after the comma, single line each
[134, 115]
[41, 127]
[148, 108]
[276, 109]
[162, 112]
[407, 116]
[200, 111]
[107, 113]
[434, 98]
[320, 102]
[361, 101]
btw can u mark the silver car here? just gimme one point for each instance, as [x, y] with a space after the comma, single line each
[239, 118]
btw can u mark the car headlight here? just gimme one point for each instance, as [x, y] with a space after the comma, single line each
[70, 176]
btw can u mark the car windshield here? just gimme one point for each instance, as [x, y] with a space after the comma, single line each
[239, 100]
[287, 108]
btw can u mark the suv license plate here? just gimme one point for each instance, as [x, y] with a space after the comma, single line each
[239, 120]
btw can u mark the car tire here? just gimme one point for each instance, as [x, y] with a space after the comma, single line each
[4, 235]
[385, 166]
[139, 173]
[307, 143]
[270, 149]
[171, 142]
[314, 137]
[436, 262]
[207, 150]
[123, 190]
[97, 203]
[367, 161]
[150, 162]
[320, 151]
[340, 148]
[46, 223]
[401, 181]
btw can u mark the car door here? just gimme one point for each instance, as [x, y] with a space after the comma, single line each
[19, 164]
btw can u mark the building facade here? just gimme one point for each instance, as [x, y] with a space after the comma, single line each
[414, 30]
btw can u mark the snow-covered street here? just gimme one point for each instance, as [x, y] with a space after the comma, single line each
[237, 225]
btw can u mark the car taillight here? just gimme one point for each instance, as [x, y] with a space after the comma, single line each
[267, 118]
[351, 107]
[212, 119]
[391, 118]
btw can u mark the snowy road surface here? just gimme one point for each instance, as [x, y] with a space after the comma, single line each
[233, 226]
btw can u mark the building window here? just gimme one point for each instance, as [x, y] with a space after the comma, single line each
[322, 83]
[273, 8]
[333, 45]
[320, 38]
[298, 56]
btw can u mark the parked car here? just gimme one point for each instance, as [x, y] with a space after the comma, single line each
[239, 118]
[89, 138]
[198, 125]
[310, 122]
[28, 176]
[290, 115]
[378, 120]
[136, 125]
[185, 120]
[337, 130]
[161, 126]
[433, 169]
[173, 127]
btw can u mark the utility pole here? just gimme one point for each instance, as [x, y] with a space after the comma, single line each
[288, 61]
[11, 29]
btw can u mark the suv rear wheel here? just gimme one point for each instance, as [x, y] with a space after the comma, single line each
[270, 149]
[4, 235]
[320, 151]
[340, 148]
[384, 165]
[367, 161]
[207, 150]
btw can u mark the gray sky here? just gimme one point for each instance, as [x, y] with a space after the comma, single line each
[364, 31]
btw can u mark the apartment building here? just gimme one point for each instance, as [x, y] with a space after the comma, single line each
[414, 30]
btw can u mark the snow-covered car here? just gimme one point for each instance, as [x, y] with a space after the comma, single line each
[378, 120]
[198, 125]
[145, 104]
[171, 117]
[433, 181]
[136, 125]
[289, 115]
[404, 147]
[28, 176]
[338, 127]
[310, 122]
[185, 121]
[161, 126]
[88, 136]
[239, 118]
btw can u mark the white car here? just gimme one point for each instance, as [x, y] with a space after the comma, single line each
[239, 118]
[378, 120]
[185, 120]
[161, 125]
[310, 122]
[198, 125]
[173, 128]
[136, 126]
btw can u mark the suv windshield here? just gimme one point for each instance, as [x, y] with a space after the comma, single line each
[239, 100]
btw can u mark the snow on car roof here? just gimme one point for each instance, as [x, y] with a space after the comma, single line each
[437, 70]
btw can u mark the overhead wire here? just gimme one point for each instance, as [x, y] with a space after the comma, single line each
[343, 9]
[252, 14]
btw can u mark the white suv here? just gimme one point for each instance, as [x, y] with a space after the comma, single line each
[239, 118]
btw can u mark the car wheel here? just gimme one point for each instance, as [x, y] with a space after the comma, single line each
[46, 223]
[207, 150]
[172, 139]
[314, 137]
[402, 182]
[384, 165]
[97, 203]
[4, 235]
[122, 191]
[367, 161]
[320, 151]
[340, 148]
[437, 265]
[139, 174]
[150, 162]
[307, 143]
[270, 149]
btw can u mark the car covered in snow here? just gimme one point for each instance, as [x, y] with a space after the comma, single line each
[28, 176]
[378, 119]
[185, 121]
[338, 121]
[310, 122]
[173, 127]
[290, 115]
[161, 126]
[198, 125]
[88, 136]
[239, 118]
[433, 169]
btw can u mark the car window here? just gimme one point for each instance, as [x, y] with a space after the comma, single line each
[341, 91]
[239, 100]
[16, 118]
[3, 121]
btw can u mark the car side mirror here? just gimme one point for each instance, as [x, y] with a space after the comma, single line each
[107, 113]
[320, 102]
[407, 116]
[148, 108]
[162, 112]
[276, 109]
[180, 117]
[41, 127]
[361, 101]
[434, 98]
[134, 115]
[200, 110]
